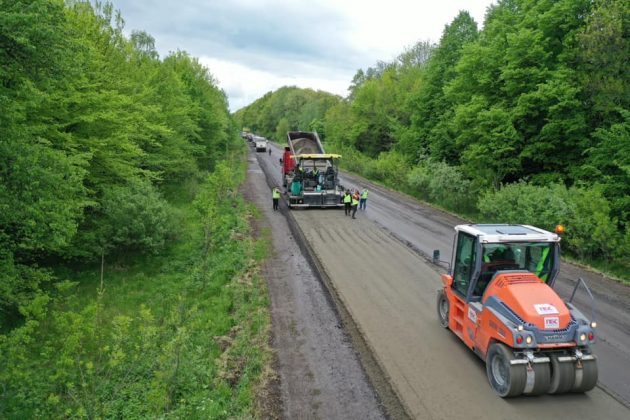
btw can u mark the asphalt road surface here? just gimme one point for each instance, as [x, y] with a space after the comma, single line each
[378, 268]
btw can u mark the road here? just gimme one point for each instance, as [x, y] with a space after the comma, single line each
[376, 267]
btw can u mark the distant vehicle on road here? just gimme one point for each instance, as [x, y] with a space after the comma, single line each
[260, 143]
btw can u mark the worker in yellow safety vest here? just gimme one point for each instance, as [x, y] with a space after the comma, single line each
[347, 202]
[275, 195]
[355, 203]
[363, 200]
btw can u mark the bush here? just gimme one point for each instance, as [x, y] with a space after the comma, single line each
[390, 168]
[591, 233]
[585, 213]
[442, 184]
[136, 218]
[522, 202]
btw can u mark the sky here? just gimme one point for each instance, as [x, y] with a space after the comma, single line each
[252, 47]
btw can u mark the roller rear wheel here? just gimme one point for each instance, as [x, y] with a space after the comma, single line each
[542, 379]
[562, 376]
[586, 377]
[506, 379]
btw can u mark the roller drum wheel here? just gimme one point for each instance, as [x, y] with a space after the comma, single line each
[586, 377]
[542, 378]
[442, 308]
[507, 380]
[562, 376]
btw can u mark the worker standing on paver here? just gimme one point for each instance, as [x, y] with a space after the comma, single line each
[275, 195]
[363, 200]
[347, 202]
[355, 202]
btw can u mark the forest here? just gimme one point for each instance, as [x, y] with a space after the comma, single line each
[526, 120]
[123, 291]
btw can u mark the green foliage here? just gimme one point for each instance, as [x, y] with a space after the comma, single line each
[585, 213]
[442, 184]
[93, 124]
[602, 56]
[137, 219]
[429, 106]
[301, 108]
[390, 168]
[542, 206]
[609, 165]
[182, 335]
[282, 129]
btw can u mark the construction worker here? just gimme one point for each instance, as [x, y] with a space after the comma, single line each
[363, 200]
[347, 202]
[355, 202]
[275, 195]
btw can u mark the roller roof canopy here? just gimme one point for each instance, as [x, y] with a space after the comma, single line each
[508, 233]
[318, 156]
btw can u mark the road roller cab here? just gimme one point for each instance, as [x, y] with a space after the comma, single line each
[498, 299]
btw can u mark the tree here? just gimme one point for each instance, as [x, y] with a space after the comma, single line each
[429, 106]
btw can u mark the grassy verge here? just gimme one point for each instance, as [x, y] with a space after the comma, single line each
[182, 334]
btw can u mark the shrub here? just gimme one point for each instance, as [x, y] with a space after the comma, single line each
[590, 233]
[390, 168]
[442, 184]
[522, 202]
[136, 218]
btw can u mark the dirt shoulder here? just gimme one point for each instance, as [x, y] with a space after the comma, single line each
[320, 376]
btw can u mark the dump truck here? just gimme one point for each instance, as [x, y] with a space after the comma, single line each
[497, 297]
[309, 174]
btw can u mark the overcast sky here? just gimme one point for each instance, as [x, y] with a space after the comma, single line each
[255, 46]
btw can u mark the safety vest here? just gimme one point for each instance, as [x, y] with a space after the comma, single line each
[355, 200]
[275, 193]
[541, 265]
[364, 194]
[347, 198]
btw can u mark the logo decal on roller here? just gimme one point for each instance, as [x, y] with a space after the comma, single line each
[546, 309]
[552, 323]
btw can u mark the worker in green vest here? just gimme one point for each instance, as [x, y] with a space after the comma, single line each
[355, 203]
[347, 202]
[275, 195]
[363, 200]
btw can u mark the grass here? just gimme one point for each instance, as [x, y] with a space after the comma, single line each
[181, 334]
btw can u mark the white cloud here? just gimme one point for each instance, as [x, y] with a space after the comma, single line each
[255, 46]
[244, 84]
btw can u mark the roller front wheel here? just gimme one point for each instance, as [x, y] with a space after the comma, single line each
[506, 379]
[442, 308]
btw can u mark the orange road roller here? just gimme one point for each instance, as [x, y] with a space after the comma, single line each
[498, 299]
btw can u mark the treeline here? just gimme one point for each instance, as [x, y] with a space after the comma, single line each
[524, 121]
[288, 108]
[128, 275]
[94, 130]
